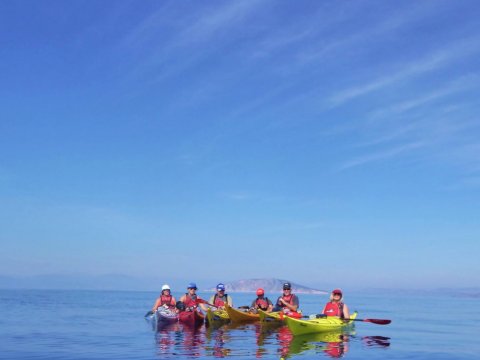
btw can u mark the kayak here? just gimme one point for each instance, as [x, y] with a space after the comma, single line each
[277, 315]
[165, 316]
[329, 323]
[191, 318]
[239, 316]
[217, 316]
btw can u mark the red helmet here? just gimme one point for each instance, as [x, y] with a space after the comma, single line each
[260, 292]
[337, 291]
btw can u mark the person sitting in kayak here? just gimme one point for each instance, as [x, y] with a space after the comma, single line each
[261, 302]
[335, 307]
[165, 299]
[190, 299]
[287, 302]
[220, 298]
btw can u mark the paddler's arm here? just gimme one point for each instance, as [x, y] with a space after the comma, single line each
[324, 308]
[203, 306]
[293, 307]
[157, 304]
[270, 306]
[346, 312]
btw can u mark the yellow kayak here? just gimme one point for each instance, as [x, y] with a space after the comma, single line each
[268, 316]
[239, 316]
[310, 326]
[277, 315]
[217, 316]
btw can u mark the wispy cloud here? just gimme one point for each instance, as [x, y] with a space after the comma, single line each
[340, 44]
[463, 83]
[382, 155]
[428, 63]
[188, 43]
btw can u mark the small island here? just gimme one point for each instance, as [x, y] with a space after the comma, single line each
[269, 285]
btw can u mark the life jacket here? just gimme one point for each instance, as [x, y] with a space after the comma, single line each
[190, 300]
[334, 309]
[217, 301]
[288, 299]
[262, 303]
[167, 300]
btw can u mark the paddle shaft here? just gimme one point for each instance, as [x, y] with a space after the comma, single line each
[201, 301]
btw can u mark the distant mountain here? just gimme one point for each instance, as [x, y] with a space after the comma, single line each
[271, 286]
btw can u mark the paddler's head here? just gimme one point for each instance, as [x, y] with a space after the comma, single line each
[165, 290]
[192, 288]
[260, 292]
[336, 295]
[287, 288]
[220, 289]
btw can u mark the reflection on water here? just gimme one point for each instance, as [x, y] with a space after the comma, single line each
[257, 339]
[333, 344]
[376, 341]
[179, 339]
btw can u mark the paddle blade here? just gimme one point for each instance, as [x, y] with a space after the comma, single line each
[378, 321]
[149, 313]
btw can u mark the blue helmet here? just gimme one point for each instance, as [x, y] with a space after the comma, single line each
[192, 285]
[221, 287]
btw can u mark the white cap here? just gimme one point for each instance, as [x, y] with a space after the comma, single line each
[165, 287]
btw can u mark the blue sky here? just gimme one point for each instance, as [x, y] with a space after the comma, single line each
[331, 143]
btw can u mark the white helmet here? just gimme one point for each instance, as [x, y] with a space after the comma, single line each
[165, 287]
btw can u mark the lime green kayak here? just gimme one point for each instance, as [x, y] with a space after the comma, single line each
[329, 323]
[217, 316]
[277, 315]
[268, 316]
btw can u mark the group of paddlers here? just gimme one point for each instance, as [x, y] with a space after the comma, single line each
[286, 303]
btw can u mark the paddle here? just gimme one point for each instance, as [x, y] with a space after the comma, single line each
[201, 301]
[373, 321]
[149, 313]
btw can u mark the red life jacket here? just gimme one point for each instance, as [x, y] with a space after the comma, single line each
[334, 309]
[288, 299]
[190, 300]
[219, 302]
[262, 303]
[167, 300]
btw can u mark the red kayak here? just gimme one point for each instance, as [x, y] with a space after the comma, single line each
[191, 318]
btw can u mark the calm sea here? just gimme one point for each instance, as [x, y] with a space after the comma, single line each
[47, 324]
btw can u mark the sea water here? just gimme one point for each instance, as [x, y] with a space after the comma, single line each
[48, 324]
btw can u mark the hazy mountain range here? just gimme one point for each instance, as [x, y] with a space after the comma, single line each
[269, 285]
[135, 283]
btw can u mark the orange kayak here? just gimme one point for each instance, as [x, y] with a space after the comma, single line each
[239, 316]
